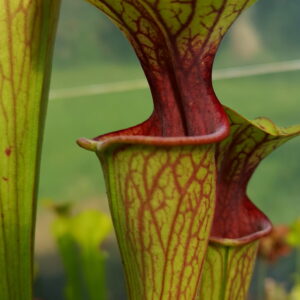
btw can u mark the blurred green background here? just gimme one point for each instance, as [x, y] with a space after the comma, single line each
[90, 50]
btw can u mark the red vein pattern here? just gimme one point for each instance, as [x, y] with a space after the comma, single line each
[237, 157]
[26, 39]
[134, 169]
[176, 42]
[237, 222]
[227, 272]
[162, 203]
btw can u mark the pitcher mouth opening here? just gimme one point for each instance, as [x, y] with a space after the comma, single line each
[258, 226]
[264, 230]
[147, 133]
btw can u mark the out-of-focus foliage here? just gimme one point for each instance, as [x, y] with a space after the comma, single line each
[274, 246]
[278, 26]
[276, 291]
[295, 294]
[79, 239]
[294, 235]
[282, 241]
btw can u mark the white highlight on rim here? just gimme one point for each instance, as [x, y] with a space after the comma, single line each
[139, 84]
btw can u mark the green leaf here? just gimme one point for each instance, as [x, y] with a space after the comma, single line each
[293, 237]
[26, 41]
[90, 228]
[295, 293]
[79, 239]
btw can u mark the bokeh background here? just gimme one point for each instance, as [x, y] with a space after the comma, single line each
[91, 52]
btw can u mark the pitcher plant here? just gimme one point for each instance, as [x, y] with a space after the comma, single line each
[26, 43]
[177, 182]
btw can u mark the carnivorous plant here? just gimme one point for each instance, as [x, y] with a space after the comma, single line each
[27, 30]
[177, 182]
